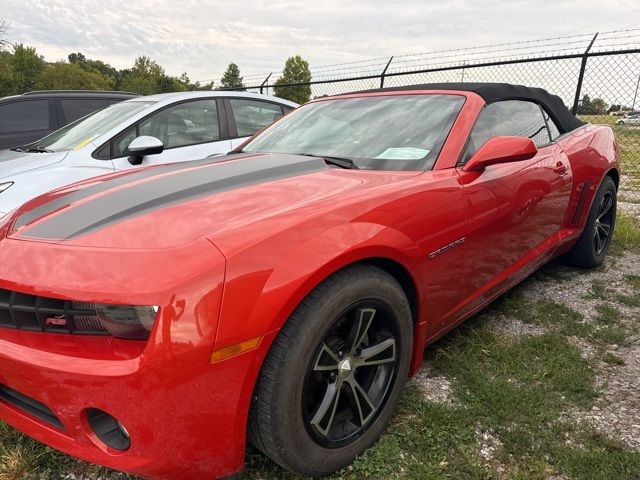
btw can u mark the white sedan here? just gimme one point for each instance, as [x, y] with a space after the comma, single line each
[164, 128]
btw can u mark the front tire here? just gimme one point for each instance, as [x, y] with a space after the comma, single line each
[593, 244]
[334, 374]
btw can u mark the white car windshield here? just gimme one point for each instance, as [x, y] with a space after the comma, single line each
[396, 132]
[81, 132]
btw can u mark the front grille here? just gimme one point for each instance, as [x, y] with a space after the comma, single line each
[29, 405]
[43, 314]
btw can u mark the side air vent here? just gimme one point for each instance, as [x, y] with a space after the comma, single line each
[28, 312]
[583, 190]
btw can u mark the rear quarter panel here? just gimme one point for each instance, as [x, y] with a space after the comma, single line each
[593, 152]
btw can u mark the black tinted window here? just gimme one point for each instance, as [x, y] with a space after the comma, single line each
[252, 115]
[75, 108]
[24, 116]
[513, 118]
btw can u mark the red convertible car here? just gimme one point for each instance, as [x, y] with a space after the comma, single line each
[155, 320]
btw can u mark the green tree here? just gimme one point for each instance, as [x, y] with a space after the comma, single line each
[599, 106]
[166, 84]
[147, 77]
[27, 68]
[589, 106]
[296, 70]
[76, 58]
[144, 77]
[63, 76]
[232, 78]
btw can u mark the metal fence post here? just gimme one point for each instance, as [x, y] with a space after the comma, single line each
[583, 66]
[265, 81]
[384, 71]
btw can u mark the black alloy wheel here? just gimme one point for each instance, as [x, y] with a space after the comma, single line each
[335, 372]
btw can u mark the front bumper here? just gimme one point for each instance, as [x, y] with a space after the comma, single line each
[185, 420]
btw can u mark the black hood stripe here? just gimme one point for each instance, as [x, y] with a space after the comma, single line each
[128, 177]
[167, 190]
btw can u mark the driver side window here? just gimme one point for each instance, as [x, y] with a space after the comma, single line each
[509, 117]
[181, 125]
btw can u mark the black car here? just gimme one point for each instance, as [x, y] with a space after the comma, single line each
[28, 117]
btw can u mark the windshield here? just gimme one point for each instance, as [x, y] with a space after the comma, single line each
[81, 132]
[396, 132]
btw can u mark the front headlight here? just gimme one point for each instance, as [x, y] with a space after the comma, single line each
[130, 322]
[122, 321]
[4, 186]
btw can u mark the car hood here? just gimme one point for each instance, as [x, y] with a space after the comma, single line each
[13, 163]
[174, 204]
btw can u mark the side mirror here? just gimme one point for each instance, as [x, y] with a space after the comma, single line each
[501, 150]
[142, 146]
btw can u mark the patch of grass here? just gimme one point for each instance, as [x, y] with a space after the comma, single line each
[612, 359]
[599, 289]
[632, 300]
[627, 233]
[609, 329]
[634, 281]
[598, 458]
[611, 335]
[607, 314]
[628, 300]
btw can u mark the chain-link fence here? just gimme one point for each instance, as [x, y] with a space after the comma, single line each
[596, 75]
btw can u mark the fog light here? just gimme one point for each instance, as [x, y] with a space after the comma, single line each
[108, 429]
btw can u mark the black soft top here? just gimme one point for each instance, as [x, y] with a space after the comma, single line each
[495, 92]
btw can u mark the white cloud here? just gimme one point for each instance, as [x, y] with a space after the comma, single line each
[201, 38]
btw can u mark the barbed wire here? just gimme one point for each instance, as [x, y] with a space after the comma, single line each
[462, 57]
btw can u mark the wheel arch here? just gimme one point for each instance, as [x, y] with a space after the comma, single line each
[615, 176]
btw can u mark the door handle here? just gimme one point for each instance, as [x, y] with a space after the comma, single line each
[560, 169]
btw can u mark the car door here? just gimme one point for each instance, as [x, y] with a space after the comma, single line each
[189, 131]
[247, 116]
[25, 120]
[513, 209]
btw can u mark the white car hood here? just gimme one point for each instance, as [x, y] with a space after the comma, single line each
[13, 163]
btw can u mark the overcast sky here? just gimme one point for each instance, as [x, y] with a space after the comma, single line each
[202, 37]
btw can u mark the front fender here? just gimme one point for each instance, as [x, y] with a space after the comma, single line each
[257, 302]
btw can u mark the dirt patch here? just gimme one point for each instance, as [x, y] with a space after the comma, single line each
[434, 388]
[512, 327]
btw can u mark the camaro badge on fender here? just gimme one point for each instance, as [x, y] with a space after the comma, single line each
[446, 248]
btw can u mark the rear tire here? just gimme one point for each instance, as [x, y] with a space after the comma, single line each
[593, 244]
[334, 374]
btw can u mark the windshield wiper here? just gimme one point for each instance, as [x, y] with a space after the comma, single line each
[342, 162]
[37, 149]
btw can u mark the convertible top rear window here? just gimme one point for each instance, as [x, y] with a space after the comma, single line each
[396, 132]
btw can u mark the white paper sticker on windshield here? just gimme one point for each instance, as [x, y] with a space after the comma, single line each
[403, 153]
